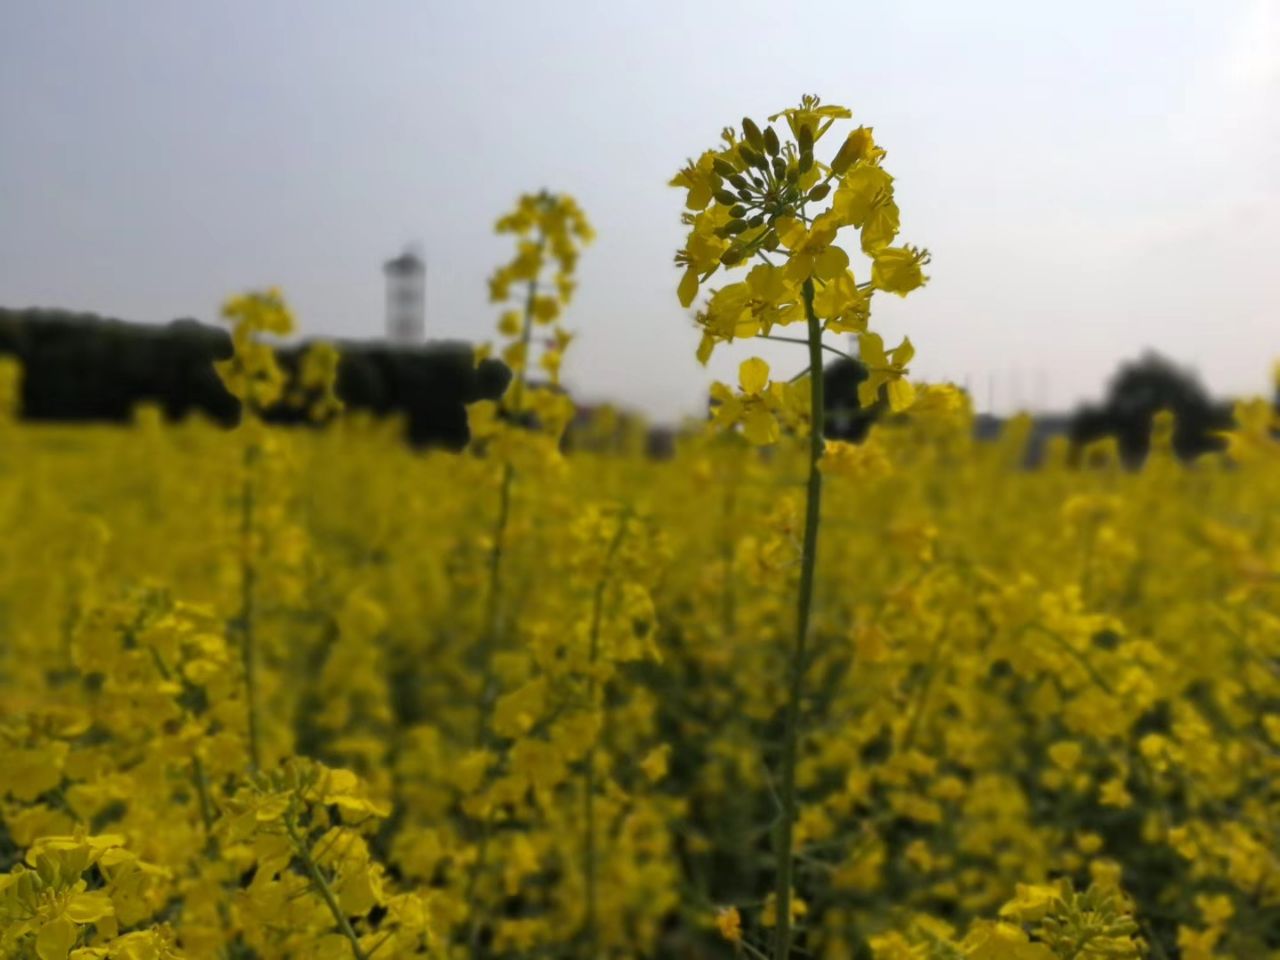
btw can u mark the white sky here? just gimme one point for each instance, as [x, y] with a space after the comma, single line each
[1093, 178]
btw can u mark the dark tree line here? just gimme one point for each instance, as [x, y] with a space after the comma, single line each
[846, 418]
[1137, 391]
[81, 367]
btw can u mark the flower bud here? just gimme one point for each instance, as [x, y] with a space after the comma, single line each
[731, 256]
[750, 156]
[738, 210]
[739, 181]
[804, 139]
[818, 192]
[756, 221]
[779, 168]
[771, 142]
[744, 194]
[723, 167]
[806, 161]
[845, 156]
[770, 241]
[735, 226]
[752, 133]
[726, 197]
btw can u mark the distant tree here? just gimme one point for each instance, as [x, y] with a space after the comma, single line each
[846, 418]
[1140, 388]
[85, 367]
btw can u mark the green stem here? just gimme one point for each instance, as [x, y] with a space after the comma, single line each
[493, 603]
[326, 892]
[825, 346]
[248, 576]
[493, 606]
[206, 804]
[197, 765]
[800, 376]
[591, 933]
[526, 333]
[799, 653]
[201, 781]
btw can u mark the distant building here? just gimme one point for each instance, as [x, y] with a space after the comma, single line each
[406, 298]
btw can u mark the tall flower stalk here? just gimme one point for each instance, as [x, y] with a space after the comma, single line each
[591, 932]
[799, 651]
[254, 377]
[549, 229]
[763, 201]
[521, 432]
[244, 616]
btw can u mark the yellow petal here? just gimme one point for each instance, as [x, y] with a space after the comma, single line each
[869, 390]
[272, 808]
[359, 892]
[824, 229]
[705, 346]
[89, 907]
[901, 395]
[897, 270]
[760, 426]
[655, 763]
[831, 263]
[871, 350]
[790, 231]
[753, 375]
[55, 938]
[688, 288]
[798, 268]
[881, 227]
[903, 353]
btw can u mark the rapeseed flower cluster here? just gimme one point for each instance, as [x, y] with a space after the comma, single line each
[282, 692]
[758, 198]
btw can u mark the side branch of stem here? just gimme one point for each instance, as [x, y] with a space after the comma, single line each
[326, 892]
[824, 346]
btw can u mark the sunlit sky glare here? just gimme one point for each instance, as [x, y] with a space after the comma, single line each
[1092, 178]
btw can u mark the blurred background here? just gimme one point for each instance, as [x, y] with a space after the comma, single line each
[1094, 180]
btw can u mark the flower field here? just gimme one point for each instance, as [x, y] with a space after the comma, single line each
[279, 692]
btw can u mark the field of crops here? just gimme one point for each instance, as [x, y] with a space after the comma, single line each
[285, 692]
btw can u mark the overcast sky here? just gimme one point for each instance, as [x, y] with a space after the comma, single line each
[1093, 178]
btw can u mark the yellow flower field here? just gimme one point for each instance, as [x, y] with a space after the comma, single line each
[285, 692]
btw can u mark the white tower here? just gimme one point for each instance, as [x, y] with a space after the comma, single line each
[406, 298]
